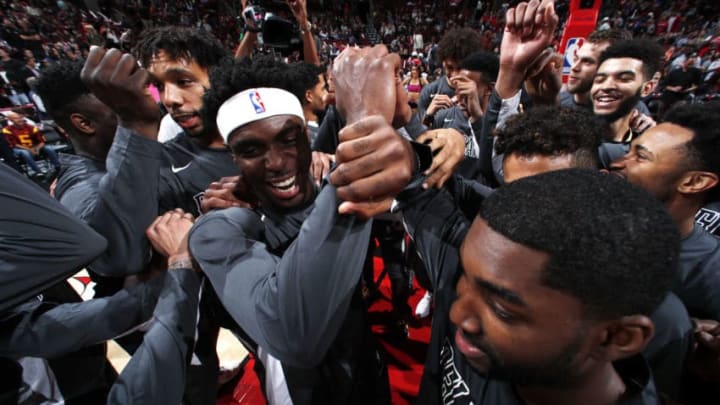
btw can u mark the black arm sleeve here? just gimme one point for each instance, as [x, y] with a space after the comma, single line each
[41, 243]
[123, 204]
[156, 372]
[485, 139]
[438, 227]
[294, 305]
[468, 195]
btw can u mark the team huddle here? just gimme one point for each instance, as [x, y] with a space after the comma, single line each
[555, 225]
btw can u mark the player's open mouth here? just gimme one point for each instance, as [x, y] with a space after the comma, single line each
[285, 189]
[605, 100]
[187, 120]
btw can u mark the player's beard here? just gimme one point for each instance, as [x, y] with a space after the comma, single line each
[623, 109]
[581, 88]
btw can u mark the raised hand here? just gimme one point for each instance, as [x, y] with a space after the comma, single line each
[299, 10]
[374, 164]
[438, 102]
[529, 29]
[366, 83]
[117, 80]
[467, 89]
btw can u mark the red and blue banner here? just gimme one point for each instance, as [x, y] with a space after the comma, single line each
[582, 20]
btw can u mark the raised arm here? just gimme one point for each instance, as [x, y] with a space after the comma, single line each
[247, 44]
[124, 201]
[529, 28]
[299, 10]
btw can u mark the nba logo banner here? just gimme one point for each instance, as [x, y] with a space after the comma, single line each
[257, 102]
[581, 22]
[573, 45]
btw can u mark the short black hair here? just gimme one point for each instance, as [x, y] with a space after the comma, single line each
[612, 245]
[180, 43]
[304, 76]
[485, 62]
[553, 131]
[647, 51]
[227, 78]
[458, 43]
[703, 150]
[611, 36]
[232, 76]
[60, 87]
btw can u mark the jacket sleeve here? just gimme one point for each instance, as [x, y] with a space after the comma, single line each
[123, 204]
[498, 112]
[468, 195]
[156, 372]
[41, 243]
[438, 226]
[43, 329]
[699, 286]
[425, 98]
[294, 305]
[486, 138]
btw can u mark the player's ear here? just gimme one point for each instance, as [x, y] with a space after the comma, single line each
[82, 124]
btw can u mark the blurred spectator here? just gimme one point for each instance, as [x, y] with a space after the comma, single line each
[15, 77]
[414, 84]
[28, 142]
[681, 83]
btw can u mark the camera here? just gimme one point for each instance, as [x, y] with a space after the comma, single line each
[277, 32]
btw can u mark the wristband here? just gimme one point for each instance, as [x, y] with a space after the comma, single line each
[183, 262]
[423, 157]
[304, 30]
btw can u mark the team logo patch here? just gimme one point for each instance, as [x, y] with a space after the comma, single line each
[708, 219]
[83, 285]
[257, 102]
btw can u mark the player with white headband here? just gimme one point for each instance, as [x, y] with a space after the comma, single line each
[261, 126]
[285, 263]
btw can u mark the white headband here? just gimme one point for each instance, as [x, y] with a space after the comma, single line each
[255, 104]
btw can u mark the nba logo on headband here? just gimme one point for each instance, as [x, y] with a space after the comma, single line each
[235, 112]
[257, 102]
